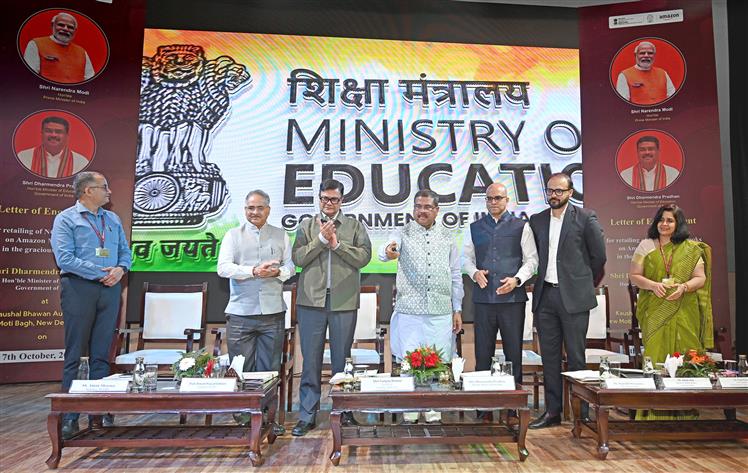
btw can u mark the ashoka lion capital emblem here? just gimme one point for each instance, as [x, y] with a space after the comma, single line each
[184, 98]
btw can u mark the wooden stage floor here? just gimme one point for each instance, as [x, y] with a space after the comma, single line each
[24, 447]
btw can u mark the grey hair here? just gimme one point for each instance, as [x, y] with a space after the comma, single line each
[427, 193]
[82, 180]
[645, 43]
[54, 18]
[261, 193]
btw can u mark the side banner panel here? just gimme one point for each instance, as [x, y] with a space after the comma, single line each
[665, 121]
[70, 103]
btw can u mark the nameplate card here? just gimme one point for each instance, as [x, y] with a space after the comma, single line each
[387, 385]
[733, 383]
[630, 383]
[207, 385]
[687, 383]
[488, 383]
[99, 386]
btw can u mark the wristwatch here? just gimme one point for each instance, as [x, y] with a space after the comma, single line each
[519, 281]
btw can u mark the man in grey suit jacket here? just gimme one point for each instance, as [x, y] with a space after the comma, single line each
[571, 249]
[331, 249]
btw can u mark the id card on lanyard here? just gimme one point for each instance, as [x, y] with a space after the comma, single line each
[667, 280]
[101, 251]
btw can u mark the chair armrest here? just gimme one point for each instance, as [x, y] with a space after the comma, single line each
[119, 342]
[123, 331]
[218, 332]
[190, 334]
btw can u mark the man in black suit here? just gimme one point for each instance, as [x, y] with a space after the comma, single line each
[571, 249]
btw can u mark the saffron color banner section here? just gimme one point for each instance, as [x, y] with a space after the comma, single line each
[652, 134]
[225, 113]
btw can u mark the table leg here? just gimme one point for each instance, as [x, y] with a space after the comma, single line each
[54, 427]
[255, 439]
[274, 428]
[337, 439]
[524, 421]
[601, 413]
[576, 409]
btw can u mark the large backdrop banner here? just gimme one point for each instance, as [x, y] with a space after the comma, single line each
[652, 138]
[225, 113]
[70, 103]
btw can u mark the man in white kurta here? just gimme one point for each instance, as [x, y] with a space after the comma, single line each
[428, 307]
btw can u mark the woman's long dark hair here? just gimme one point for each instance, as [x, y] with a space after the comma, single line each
[680, 234]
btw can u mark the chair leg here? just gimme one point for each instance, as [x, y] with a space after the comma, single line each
[208, 419]
[289, 402]
[281, 400]
[536, 391]
[182, 418]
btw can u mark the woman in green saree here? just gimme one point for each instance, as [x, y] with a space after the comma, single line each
[674, 310]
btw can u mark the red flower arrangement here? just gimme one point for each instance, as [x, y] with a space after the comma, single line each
[424, 362]
[696, 364]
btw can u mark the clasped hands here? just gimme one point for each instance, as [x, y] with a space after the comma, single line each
[114, 274]
[660, 290]
[266, 269]
[327, 230]
[508, 284]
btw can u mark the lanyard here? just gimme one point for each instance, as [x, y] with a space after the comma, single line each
[668, 263]
[99, 234]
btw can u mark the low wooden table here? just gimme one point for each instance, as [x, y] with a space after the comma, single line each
[424, 399]
[253, 402]
[604, 430]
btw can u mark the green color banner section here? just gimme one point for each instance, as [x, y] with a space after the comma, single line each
[197, 251]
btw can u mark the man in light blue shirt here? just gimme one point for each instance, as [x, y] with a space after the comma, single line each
[91, 250]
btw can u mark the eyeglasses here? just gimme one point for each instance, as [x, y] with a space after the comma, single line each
[329, 200]
[427, 208]
[105, 187]
[498, 198]
[252, 208]
[556, 192]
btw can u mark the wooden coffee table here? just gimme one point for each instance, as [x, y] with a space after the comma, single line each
[424, 399]
[604, 430]
[252, 402]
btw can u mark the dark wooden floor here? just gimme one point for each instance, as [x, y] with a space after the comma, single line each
[24, 447]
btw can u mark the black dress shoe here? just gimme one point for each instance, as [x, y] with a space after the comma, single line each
[546, 420]
[347, 419]
[302, 428]
[70, 427]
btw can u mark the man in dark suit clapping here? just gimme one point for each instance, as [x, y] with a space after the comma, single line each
[571, 249]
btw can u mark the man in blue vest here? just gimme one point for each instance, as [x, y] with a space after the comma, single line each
[499, 254]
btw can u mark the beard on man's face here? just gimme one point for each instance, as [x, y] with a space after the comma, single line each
[557, 202]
